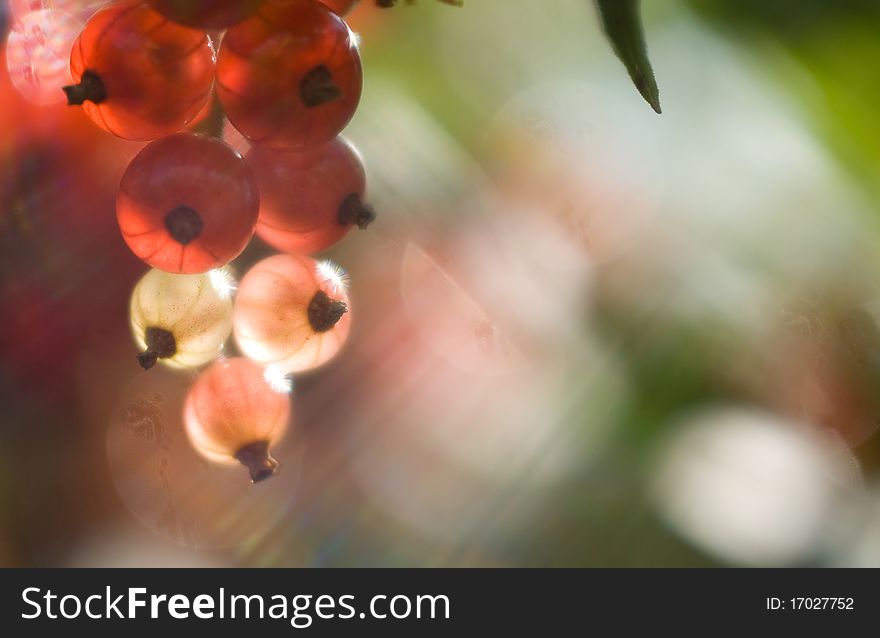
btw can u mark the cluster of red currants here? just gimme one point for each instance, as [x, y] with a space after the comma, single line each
[287, 75]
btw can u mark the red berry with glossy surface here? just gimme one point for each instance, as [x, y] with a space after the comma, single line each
[291, 312]
[139, 75]
[187, 204]
[310, 200]
[290, 76]
[233, 414]
[206, 14]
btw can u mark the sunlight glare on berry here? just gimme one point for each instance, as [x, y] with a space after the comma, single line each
[333, 274]
[278, 379]
[223, 282]
[38, 54]
[354, 39]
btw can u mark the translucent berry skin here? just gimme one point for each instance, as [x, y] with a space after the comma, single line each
[155, 75]
[290, 76]
[38, 54]
[206, 14]
[271, 315]
[339, 7]
[18, 9]
[190, 308]
[311, 199]
[187, 204]
[232, 410]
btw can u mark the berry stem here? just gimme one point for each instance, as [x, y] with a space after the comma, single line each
[317, 87]
[324, 312]
[353, 210]
[183, 224]
[160, 345]
[256, 458]
[90, 88]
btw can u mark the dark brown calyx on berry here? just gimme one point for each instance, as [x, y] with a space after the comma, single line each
[184, 224]
[90, 88]
[160, 345]
[317, 87]
[256, 458]
[324, 312]
[354, 211]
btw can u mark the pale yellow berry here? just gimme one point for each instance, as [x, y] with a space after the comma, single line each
[181, 320]
[292, 312]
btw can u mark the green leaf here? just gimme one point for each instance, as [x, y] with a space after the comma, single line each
[622, 24]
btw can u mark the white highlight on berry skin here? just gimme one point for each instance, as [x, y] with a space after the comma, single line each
[354, 39]
[223, 282]
[214, 43]
[333, 274]
[278, 379]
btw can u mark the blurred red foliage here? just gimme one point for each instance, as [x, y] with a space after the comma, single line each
[65, 273]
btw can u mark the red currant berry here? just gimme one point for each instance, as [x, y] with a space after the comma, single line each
[309, 200]
[291, 312]
[138, 75]
[187, 204]
[180, 320]
[339, 7]
[233, 414]
[290, 76]
[206, 14]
